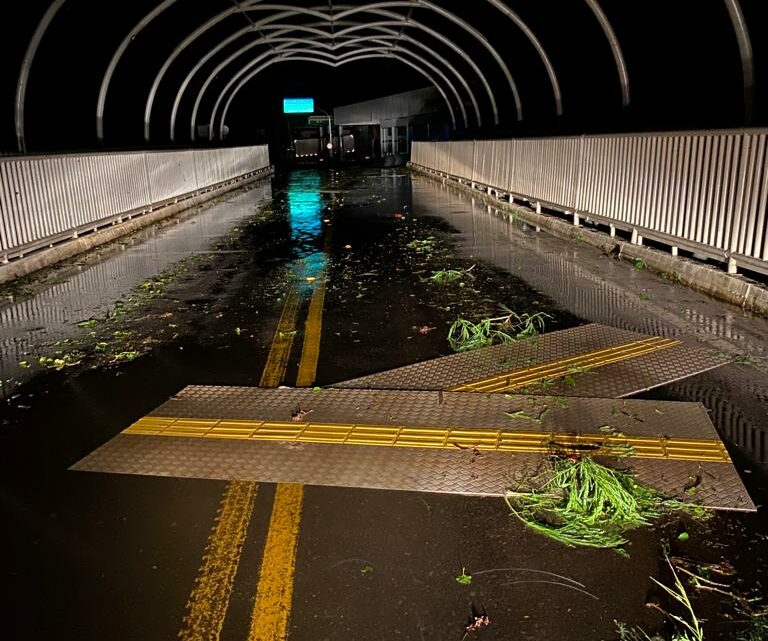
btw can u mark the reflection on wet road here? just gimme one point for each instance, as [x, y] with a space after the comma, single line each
[90, 291]
[91, 556]
[606, 291]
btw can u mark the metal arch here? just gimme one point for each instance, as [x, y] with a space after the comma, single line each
[293, 41]
[255, 72]
[539, 49]
[26, 66]
[461, 79]
[463, 24]
[745, 51]
[437, 35]
[104, 88]
[211, 22]
[251, 4]
[618, 55]
[277, 37]
[356, 26]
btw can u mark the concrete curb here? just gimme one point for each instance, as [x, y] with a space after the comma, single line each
[47, 257]
[735, 289]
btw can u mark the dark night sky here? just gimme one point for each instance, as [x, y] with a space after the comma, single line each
[682, 59]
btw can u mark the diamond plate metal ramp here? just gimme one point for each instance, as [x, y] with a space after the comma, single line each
[590, 360]
[424, 441]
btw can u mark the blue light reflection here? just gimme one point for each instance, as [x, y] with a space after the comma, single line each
[305, 214]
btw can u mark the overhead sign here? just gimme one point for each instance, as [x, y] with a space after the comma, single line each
[318, 120]
[298, 105]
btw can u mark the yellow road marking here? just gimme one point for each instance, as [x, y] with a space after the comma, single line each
[429, 437]
[280, 350]
[562, 367]
[271, 611]
[208, 603]
[310, 352]
[274, 593]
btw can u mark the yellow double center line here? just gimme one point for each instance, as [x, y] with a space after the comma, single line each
[562, 367]
[274, 593]
[209, 600]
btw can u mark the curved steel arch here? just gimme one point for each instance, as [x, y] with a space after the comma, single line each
[386, 50]
[239, 8]
[255, 72]
[437, 35]
[745, 52]
[374, 8]
[463, 24]
[26, 66]
[618, 55]
[104, 88]
[539, 49]
[294, 41]
[356, 26]
[208, 24]
[390, 34]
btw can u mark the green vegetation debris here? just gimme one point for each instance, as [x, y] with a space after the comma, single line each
[424, 246]
[125, 357]
[366, 569]
[464, 335]
[639, 263]
[581, 502]
[91, 322]
[446, 276]
[464, 578]
[690, 627]
[23, 364]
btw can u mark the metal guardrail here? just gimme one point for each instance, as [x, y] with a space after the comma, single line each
[47, 199]
[705, 192]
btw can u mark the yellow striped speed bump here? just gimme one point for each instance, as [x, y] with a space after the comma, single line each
[433, 437]
[562, 367]
[587, 361]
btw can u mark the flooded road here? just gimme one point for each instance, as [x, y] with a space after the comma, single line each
[90, 288]
[93, 556]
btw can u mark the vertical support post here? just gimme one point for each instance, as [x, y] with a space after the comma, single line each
[733, 268]
[612, 230]
[634, 238]
[538, 208]
[674, 250]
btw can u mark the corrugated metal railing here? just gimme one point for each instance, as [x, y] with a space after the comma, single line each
[706, 192]
[47, 199]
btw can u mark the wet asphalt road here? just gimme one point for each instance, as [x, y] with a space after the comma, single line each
[91, 556]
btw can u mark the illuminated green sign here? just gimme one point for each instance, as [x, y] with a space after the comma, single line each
[298, 105]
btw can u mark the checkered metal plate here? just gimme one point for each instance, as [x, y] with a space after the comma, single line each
[454, 470]
[590, 360]
[423, 470]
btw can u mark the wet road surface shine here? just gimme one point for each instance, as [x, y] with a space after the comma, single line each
[369, 564]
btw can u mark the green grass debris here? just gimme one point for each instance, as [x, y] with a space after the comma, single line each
[581, 502]
[465, 335]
